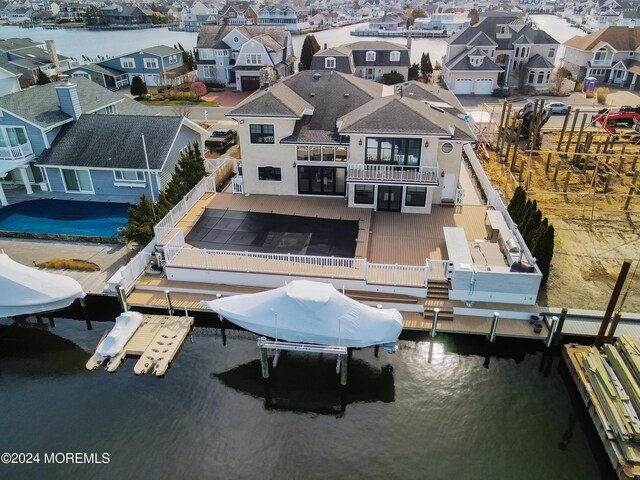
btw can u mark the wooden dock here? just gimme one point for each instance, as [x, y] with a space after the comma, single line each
[624, 454]
[157, 341]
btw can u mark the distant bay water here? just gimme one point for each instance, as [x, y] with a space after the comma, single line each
[77, 43]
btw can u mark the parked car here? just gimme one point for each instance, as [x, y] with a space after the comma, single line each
[221, 140]
[558, 107]
[500, 93]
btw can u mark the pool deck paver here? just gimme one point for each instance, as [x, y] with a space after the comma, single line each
[109, 257]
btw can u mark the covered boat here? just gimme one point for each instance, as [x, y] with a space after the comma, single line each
[26, 290]
[311, 312]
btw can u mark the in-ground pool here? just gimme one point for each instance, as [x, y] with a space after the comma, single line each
[65, 217]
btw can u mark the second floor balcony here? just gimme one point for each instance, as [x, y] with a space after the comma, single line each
[393, 173]
[14, 144]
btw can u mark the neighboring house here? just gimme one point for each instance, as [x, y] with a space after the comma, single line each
[498, 50]
[20, 15]
[79, 138]
[281, 14]
[238, 13]
[443, 22]
[9, 82]
[196, 21]
[156, 65]
[367, 59]
[611, 55]
[386, 22]
[73, 11]
[25, 57]
[234, 55]
[126, 15]
[345, 138]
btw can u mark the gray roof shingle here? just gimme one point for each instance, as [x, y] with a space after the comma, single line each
[113, 141]
[40, 104]
[210, 35]
[276, 101]
[162, 50]
[538, 61]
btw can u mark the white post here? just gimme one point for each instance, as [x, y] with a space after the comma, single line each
[25, 179]
[494, 326]
[434, 325]
[552, 330]
[3, 197]
[146, 159]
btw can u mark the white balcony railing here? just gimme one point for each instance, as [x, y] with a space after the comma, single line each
[602, 62]
[16, 153]
[393, 173]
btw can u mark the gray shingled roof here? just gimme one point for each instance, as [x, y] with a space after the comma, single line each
[94, 67]
[162, 50]
[374, 45]
[463, 63]
[40, 104]
[516, 27]
[344, 63]
[538, 61]
[276, 101]
[393, 114]
[15, 43]
[433, 94]
[113, 141]
[210, 35]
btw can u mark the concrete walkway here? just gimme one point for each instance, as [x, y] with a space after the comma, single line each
[109, 257]
[229, 98]
[471, 194]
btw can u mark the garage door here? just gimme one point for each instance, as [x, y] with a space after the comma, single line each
[463, 86]
[249, 84]
[484, 86]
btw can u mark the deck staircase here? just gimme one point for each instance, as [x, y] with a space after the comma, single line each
[438, 297]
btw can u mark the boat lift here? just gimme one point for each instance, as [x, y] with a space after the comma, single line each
[266, 345]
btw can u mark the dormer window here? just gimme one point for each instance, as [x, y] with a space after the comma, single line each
[394, 56]
[475, 61]
[330, 62]
[371, 56]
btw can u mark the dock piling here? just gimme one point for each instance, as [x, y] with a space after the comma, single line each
[434, 324]
[264, 360]
[552, 329]
[123, 299]
[617, 289]
[494, 326]
[167, 294]
[343, 370]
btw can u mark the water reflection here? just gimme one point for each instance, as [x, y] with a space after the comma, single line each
[309, 384]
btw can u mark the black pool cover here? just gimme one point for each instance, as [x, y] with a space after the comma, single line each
[272, 233]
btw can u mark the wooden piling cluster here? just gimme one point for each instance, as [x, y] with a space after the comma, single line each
[609, 382]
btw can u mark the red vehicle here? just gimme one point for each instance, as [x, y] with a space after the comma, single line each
[625, 116]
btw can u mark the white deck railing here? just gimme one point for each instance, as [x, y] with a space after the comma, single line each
[393, 173]
[135, 268]
[238, 184]
[206, 185]
[17, 152]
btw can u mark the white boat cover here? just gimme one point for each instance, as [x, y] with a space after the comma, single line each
[125, 327]
[27, 290]
[311, 312]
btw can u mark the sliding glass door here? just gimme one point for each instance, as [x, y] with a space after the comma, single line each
[77, 180]
[322, 180]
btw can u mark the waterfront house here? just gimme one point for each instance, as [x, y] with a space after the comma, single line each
[387, 22]
[73, 11]
[157, 65]
[367, 59]
[234, 55]
[499, 50]
[333, 134]
[442, 22]
[76, 138]
[25, 57]
[282, 14]
[611, 55]
[237, 13]
[126, 15]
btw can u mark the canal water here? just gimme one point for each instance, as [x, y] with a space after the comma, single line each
[455, 407]
[77, 43]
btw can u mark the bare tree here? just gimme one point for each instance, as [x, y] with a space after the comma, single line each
[182, 110]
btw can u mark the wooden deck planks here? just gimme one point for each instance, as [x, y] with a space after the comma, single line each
[408, 239]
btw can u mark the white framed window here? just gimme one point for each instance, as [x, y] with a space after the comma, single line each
[205, 53]
[150, 63]
[394, 56]
[77, 180]
[371, 56]
[128, 62]
[259, 133]
[552, 52]
[110, 110]
[253, 58]
[129, 176]
[173, 59]
[330, 62]
[209, 71]
[447, 147]
[222, 53]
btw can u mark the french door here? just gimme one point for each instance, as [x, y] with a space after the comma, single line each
[389, 198]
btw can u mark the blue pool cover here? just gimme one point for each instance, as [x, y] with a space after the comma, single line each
[65, 217]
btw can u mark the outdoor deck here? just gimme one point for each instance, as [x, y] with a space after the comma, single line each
[389, 238]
